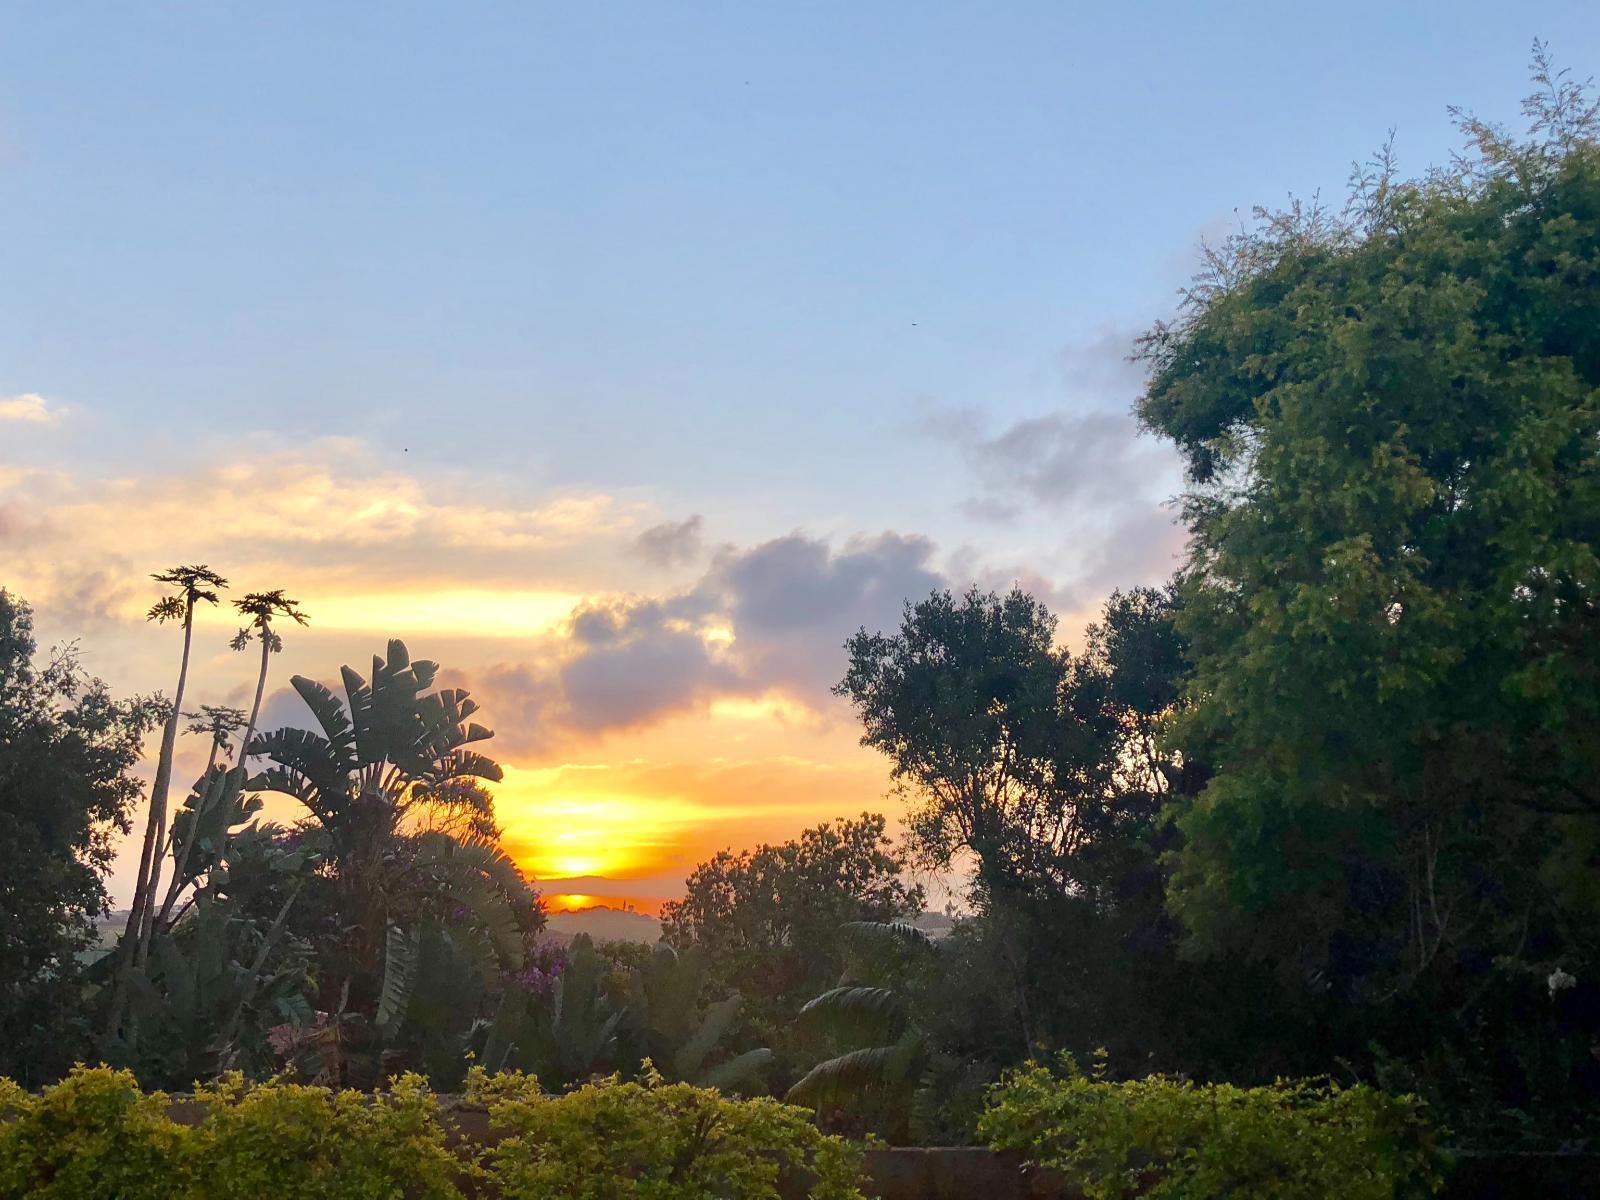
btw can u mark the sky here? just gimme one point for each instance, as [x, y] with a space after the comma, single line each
[627, 358]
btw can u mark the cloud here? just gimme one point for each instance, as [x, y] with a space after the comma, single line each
[671, 543]
[635, 663]
[1055, 462]
[29, 408]
[793, 602]
[1102, 368]
[769, 621]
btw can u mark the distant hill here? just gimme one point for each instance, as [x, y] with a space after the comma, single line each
[604, 925]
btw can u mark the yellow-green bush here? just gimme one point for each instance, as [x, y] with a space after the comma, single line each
[611, 1140]
[1170, 1139]
[96, 1136]
[286, 1139]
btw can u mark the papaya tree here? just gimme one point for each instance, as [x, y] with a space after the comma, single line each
[194, 585]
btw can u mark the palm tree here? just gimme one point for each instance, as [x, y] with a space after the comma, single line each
[216, 795]
[194, 584]
[390, 758]
[262, 608]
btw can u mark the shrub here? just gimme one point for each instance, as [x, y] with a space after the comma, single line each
[93, 1136]
[1176, 1140]
[286, 1139]
[96, 1136]
[611, 1140]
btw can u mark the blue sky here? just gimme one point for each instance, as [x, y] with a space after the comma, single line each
[706, 248]
[859, 273]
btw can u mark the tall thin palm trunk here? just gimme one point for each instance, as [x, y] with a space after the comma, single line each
[155, 831]
[181, 864]
[195, 583]
[261, 687]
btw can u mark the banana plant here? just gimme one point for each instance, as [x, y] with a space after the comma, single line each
[682, 1038]
[383, 758]
[882, 1051]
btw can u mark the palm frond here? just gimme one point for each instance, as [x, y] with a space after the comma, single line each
[846, 1078]
[330, 714]
[856, 1012]
[902, 932]
[399, 975]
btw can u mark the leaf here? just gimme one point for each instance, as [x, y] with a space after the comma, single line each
[884, 931]
[871, 1012]
[399, 975]
[331, 715]
[736, 1070]
[693, 1053]
[846, 1078]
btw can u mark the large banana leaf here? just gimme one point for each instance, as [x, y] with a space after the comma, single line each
[736, 1071]
[331, 715]
[719, 1018]
[856, 1013]
[399, 975]
[853, 1076]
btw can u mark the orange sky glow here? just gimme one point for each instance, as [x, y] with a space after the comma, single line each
[607, 798]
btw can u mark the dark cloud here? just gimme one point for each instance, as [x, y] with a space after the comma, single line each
[671, 543]
[635, 664]
[789, 603]
[83, 600]
[794, 601]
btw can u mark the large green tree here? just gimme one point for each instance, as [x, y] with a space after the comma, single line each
[66, 750]
[1391, 422]
[1041, 771]
[766, 920]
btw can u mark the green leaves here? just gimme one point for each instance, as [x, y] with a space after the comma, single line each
[399, 975]
[1177, 1139]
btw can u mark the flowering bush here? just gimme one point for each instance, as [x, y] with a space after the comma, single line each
[1175, 1140]
[611, 1140]
[543, 964]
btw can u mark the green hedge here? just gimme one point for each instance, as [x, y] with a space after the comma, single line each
[96, 1136]
[1169, 1139]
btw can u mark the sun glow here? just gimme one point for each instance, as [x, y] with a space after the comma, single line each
[459, 612]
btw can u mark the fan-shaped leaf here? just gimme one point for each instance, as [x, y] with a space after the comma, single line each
[330, 714]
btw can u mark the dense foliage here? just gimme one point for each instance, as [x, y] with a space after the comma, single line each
[609, 1140]
[96, 1136]
[1391, 420]
[1171, 1139]
[764, 922]
[65, 751]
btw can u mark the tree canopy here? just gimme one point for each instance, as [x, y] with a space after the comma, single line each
[66, 750]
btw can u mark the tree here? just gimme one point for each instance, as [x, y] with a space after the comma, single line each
[767, 919]
[1014, 751]
[195, 585]
[1391, 421]
[263, 609]
[1043, 772]
[403, 895]
[66, 749]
